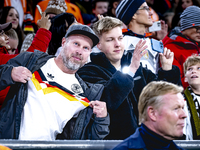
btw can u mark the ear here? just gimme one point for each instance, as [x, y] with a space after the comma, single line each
[134, 16]
[152, 113]
[63, 41]
[99, 46]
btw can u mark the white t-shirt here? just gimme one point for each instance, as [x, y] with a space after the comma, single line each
[48, 107]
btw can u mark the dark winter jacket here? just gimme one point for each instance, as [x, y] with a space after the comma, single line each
[10, 114]
[145, 139]
[121, 92]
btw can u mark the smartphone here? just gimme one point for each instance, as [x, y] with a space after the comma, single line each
[157, 46]
[39, 9]
[155, 27]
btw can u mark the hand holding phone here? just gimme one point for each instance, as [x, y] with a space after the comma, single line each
[157, 46]
[155, 27]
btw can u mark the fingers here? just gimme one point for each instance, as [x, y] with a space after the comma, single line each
[21, 74]
[99, 108]
[100, 16]
[167, 53]
[140, 48]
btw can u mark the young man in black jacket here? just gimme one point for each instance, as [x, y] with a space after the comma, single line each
[122, 90]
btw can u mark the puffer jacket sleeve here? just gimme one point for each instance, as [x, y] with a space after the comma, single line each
[41, 40]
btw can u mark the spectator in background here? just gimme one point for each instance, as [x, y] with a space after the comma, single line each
[160, 34]
[99, 7]
[13, 41]
[137, 16]
[112, 7]
[182, 5]
[162, 117]
[191, 93]
[50, 93]
[40, 42]
[10, 14]
[20, 6]
[168, 16]
[4, 39]
[85, 7]
[184, 40]
[123, 84]
[56, 7]
[59, 26]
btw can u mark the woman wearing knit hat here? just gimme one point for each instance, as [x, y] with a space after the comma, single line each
[57, 7]
[184, 40]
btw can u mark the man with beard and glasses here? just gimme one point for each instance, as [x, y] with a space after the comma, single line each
[47, 100]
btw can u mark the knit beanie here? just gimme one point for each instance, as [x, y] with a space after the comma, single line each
[126, 9]
[190, 17]
[56, 7]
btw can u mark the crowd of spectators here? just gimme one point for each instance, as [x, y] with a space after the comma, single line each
[114, 57]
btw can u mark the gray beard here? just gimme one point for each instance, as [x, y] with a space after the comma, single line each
[69, 64]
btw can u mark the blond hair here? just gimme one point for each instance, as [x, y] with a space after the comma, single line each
[190, 61]
[152, 94]
[12, 34]
[106, 24]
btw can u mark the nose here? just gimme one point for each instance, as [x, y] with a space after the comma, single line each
[6, 37]
[79, 51]
[117, 43]
[193, 71]
[183, 114]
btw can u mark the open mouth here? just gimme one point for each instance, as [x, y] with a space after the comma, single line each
[194, 76]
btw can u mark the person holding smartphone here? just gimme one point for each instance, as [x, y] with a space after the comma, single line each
[138, 18]
[122, 90]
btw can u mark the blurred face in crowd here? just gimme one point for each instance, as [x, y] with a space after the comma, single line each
[170, 116]
[111, 44]
[186, 3]
[13, 17]
[193, 33]
[51, 15]
[4, 40]
[101, 8]
[192, 75]
[76, 50]
[143, 15]
[13, 45]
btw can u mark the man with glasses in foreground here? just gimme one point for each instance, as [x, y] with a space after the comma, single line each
[137, 16]
[184, 40]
